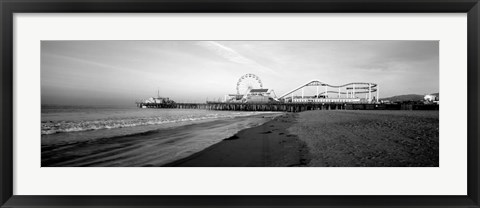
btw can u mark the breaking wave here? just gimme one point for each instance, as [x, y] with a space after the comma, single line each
[53, 127]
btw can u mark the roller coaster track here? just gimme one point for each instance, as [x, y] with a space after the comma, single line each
[372, 87]
[343, 93]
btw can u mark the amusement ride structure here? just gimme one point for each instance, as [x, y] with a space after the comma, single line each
[248, 82]
[334, 93]
[313, 95]
[250, 89]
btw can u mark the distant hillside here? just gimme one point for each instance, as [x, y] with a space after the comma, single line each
[409, 97]
[401, 98]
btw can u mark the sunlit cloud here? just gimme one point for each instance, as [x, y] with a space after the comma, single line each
[232, 55]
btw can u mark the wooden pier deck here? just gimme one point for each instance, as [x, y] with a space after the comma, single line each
[289, 107]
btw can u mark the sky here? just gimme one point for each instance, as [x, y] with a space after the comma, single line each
[121, 72]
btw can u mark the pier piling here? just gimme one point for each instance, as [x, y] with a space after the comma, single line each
[288, 107]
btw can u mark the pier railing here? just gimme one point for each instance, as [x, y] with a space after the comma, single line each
[289, 107]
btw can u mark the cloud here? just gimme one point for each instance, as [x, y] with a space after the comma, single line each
[232, 55]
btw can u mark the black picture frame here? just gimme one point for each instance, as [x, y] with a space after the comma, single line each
[9, 7]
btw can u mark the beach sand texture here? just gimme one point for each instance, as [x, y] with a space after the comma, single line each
[370, 138]
[312, 138]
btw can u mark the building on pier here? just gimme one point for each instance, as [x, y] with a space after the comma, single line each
[260, 96]
[432, 98]
[155, 101]
[250, 90]
[158, 100]
[252, 96]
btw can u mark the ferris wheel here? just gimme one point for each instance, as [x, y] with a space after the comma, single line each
[248, 82]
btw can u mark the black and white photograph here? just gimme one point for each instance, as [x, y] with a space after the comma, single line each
[236, 103]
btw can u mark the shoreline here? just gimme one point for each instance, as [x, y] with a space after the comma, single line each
[305, 139]
[267, 145]
[329, 139]
[147, 149]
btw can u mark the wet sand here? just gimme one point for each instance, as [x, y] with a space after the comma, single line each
[268, 145]
[330, 138]
[152, 148]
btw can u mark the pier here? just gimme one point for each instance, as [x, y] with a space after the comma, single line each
[251, 96]
[288, 107]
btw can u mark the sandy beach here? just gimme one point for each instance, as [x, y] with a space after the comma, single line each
[370, 138]
[330, 138]
[323, 138]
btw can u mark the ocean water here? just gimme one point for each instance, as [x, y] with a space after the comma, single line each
[128, 136]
